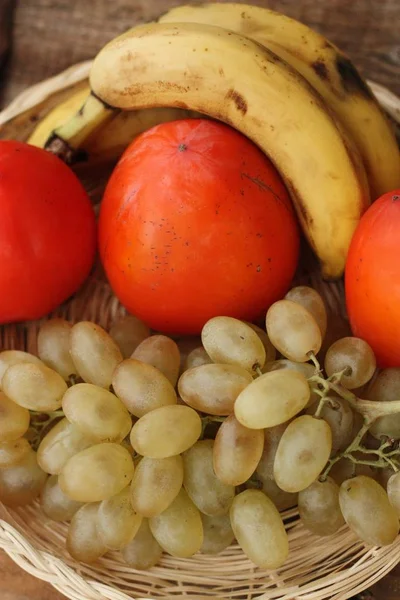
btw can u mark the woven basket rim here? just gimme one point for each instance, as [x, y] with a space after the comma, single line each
[30, 547]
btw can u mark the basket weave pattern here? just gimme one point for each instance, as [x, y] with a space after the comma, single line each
[333, 568]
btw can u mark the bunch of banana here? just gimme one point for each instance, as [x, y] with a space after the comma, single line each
[329, 140]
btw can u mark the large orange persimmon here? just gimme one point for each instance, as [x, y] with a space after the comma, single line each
[373, 279]
[196, 222]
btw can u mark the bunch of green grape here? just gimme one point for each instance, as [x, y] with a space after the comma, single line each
[147, 444]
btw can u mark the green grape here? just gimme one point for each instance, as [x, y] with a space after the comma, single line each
[319, 507]
[339, 415]
[59, 445]
[12, 453]
[97, 473]
[218, 534]
[83, 541]
[270, 351]
[166, 431]
[302, 453]
[117, 521]
[53, 342]
[272, 399]
[259, 529]
[94, 353]
[142, 387]
[367, 511]
[272, 437]
[293, 330]
[143, 552]
[393, 491]
[55, 504]
[96, 412]
[14, 421]
[354, 354]
[128, 333]
[312, 301]
[13, 357]
[307, 369]
[386, 388]
[214, 388]
[282, 500]
[179, 529]
[161, 352]
[155, 484]
[196, 358]
[33, 386]
[237, 451]
[210, 495]
[22, 483]
[232, 342]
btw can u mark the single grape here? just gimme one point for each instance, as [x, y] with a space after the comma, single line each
[293, 330]
[302, 453]
[128, 333]
[272, 399]
[218, 534]
[319, 507]
[312, 301]
[143, 552]
[33, 386]
[196, 358]
[161, 352]
[230, 341]
[155, 484]
[270, 351]
[14, 421]
[272, 437]
[55, 504]
[117, 521]
[307, 369]
[59, 445]
[339, 415]
[367, 511]
[355, 355]
[97, 473]
[97, 412]
[393, 491]
[210, 495]
[54, 340]
[237, 451]
[142, 387]
[282, 500]
[386, 388]
[12, 357]
[22, 483]
[94, 353]
[83, 541]
[259, 529]
[179, 529]
[214, 388]
[166, 431]
[12, 453]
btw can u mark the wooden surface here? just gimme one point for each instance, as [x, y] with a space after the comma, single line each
[50, 35]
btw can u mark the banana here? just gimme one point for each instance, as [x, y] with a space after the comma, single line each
[238, 81]
[107, 143]
[325, 67]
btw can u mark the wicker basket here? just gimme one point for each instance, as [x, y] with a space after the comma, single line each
[317, 568]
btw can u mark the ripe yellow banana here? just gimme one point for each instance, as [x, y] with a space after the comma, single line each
[109, 142]
[326, 68]
[234, 79]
